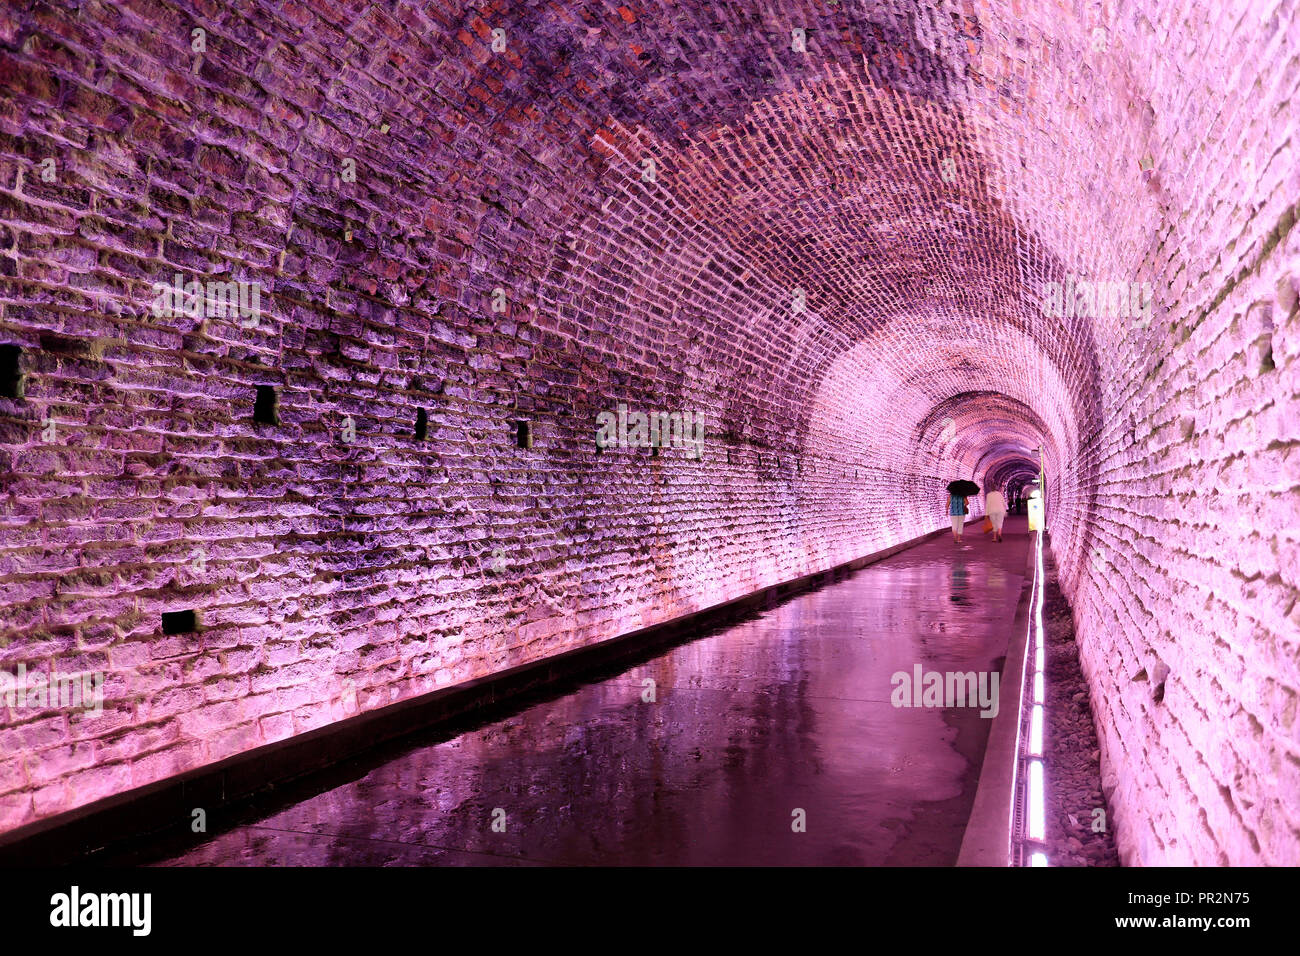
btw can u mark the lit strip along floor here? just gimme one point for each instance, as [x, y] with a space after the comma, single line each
[1030, 808]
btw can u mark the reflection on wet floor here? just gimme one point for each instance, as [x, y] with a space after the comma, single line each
[712, 753]
[960, 583]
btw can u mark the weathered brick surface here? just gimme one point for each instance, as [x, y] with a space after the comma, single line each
[839, 258]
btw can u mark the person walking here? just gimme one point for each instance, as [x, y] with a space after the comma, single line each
[958, 510]
[995, 506]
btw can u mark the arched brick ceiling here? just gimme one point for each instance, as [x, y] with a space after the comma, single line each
[823, 175]
[840, 259]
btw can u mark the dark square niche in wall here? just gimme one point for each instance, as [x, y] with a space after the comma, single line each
[523, 435]
[421, 424]
[179, 622]
[12, 382]
[267, 409]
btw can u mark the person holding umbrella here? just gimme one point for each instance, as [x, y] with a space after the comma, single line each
[958, 493]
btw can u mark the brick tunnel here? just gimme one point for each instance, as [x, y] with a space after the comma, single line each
[332, 335]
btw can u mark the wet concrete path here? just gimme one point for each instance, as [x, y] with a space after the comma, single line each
[788, 711]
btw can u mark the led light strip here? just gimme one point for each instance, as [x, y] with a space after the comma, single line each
[1031, 828]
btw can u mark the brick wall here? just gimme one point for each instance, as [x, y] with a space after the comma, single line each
[836, 253]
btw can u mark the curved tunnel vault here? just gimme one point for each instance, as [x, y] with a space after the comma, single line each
[840, 251]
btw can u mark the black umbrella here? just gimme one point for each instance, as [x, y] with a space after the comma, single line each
[963, 487]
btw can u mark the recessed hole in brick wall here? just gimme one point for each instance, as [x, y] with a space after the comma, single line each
[1266, 363]
[266, 411]
[421, 424]
[11, 376]
[180, 622]
[523, 435]
[63, 345]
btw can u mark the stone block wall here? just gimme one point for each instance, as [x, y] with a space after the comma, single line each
[470, 230]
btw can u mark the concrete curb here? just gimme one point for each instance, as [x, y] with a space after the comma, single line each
[989, 831]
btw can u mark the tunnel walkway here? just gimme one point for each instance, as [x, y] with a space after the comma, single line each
[749, 724]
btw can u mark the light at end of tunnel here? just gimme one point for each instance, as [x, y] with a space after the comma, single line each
[1037, 810]
[1038, 859]
[1036, 731]
[1038, 687]
[1038, 659]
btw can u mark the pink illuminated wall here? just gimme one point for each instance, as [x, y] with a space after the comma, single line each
[838, 255]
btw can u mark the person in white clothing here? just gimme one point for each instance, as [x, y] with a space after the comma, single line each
[995, 506]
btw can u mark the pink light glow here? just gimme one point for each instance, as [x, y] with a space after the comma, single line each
[844, 261]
